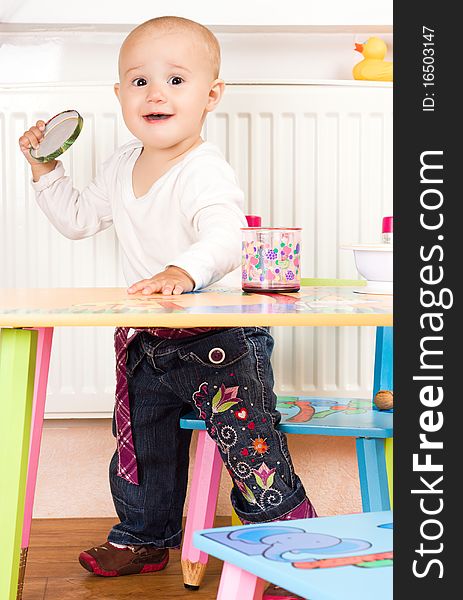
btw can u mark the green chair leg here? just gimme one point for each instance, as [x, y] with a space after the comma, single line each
[17, 369]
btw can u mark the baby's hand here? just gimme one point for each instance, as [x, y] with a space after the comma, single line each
[171, 281]
[31, 139]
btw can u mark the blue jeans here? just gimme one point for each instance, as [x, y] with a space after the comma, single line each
[226, 377]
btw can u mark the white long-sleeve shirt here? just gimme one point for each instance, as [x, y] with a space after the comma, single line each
[190, 217]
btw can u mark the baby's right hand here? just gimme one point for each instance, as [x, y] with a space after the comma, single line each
[31, 139]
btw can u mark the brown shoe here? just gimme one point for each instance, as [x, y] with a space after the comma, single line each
[109, 561]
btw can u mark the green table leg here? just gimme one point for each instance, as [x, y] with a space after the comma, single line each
[17, 369]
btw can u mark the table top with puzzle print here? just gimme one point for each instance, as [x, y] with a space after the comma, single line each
[214, 307]
[347, 556]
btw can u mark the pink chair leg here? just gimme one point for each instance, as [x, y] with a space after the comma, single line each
[236, 584]
[45, 336]
[201, 510]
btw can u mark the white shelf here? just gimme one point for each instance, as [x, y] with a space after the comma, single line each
[239, 13]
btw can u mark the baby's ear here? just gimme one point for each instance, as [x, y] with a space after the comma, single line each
[215, 94]
[117, 90]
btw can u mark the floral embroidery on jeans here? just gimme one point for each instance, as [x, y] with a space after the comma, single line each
[264, 476]
[226, 437]
[268, 496]
[225, 398]
[259, 445]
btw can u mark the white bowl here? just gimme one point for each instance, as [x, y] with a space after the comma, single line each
[374, 262]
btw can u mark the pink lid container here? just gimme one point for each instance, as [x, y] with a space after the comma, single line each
[271, 259]
[387, 225]
[253, 221]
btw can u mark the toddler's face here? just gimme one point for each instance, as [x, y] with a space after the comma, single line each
[164, 89]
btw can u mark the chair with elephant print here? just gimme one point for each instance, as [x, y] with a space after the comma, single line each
[328, 558]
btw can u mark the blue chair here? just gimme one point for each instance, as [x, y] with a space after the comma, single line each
[347, 556]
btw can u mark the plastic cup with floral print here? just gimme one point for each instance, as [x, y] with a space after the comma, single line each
[271, 259]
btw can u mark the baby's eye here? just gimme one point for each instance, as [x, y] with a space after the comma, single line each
[175, 80]
[139, 81]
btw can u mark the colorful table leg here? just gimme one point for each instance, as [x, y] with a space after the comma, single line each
[17, 368]
[384, 380]
[201, 509]
[383, 373]
[237, 583]
[45, 336]
[372, 474]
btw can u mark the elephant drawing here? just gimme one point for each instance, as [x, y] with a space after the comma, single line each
[302, 546]
[288, 544]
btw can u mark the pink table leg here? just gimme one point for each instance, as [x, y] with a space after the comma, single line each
[45, 336]
[236, 584]
[201, 510]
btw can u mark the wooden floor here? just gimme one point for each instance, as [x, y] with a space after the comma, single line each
[54, 573]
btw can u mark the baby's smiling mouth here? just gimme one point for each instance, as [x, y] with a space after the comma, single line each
[156, 117]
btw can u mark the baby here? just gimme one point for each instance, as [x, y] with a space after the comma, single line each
[177, 211]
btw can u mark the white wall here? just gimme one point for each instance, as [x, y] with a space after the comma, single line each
[79, 451]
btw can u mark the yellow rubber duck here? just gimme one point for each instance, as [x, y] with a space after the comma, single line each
[373, 67]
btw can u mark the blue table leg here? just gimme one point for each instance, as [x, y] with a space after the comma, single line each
[371, 460]
[383, 377]
[384, 380]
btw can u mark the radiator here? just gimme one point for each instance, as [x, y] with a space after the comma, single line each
[316, 156]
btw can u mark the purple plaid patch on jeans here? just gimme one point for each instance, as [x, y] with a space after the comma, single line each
[127, 465]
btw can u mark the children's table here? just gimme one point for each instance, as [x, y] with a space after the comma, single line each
[27, 319]
[347, 557]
